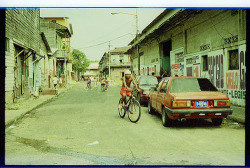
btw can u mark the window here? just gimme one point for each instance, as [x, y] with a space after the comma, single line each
[191, 85]
[7, 44]
[233, 60]
[164, 87]
[148, 80]
[204, 63]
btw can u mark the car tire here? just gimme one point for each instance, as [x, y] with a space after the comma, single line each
[217, 121]
[150, 109]
[166, 121]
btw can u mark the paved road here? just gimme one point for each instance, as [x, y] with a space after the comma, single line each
[83, 127]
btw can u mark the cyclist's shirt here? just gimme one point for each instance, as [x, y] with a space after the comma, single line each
[128, 82]
[123, 89]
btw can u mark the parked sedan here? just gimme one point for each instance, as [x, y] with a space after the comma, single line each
[145, 83]
[188, 98]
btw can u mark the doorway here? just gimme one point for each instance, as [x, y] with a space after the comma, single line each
[19, 71]
[165, 48]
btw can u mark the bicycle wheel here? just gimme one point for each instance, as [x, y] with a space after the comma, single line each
[134, 111]
[121, 110]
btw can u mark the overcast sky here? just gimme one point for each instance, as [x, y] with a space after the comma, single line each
[92, 26]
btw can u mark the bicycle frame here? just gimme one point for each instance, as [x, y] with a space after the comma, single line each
[128, 102]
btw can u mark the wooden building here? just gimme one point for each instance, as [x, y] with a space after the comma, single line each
[22, 52]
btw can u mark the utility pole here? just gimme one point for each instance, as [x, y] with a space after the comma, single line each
[109, 62]
[137, 38]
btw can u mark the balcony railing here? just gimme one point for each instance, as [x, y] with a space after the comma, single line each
[62, 53]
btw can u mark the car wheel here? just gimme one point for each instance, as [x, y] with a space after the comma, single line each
[217, 121]
[166, 121]
[150, 109]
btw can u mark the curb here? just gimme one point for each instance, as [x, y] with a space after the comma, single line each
[237, 119]
[35, 107]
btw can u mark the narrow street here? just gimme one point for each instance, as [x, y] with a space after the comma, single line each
[82, 127]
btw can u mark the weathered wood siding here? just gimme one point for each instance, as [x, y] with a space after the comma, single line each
[23, 25]
[21, 28]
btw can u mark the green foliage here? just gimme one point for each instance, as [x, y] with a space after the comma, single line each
[79, 61]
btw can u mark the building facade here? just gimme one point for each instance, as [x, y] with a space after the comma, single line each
[92, 70]
[205, 43]
[58, 39]
[22, 53]
[119, 62]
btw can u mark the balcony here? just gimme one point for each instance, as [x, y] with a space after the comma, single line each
[62, 54]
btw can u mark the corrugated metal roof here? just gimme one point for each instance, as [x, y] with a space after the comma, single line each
[120, 50]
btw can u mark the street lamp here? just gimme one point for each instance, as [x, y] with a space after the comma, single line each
[137, 34]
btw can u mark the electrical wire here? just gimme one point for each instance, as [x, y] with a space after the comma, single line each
[104, 42]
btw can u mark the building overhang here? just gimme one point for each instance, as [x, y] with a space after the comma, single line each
[166, 21]
[45, 42]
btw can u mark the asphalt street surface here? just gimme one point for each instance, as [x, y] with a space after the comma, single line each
[83, 127]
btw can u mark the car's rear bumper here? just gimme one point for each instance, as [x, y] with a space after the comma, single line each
[198, 113]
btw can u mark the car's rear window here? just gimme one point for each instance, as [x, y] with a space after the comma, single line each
[191, 85]
[148, 80]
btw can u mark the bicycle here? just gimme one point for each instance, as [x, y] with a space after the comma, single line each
[132, 106]
[88, 87]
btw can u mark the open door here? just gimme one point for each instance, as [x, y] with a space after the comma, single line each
[165, 49]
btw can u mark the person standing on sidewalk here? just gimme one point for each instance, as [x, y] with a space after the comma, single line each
[55, 79]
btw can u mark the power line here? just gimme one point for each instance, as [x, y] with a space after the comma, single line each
[105, 41]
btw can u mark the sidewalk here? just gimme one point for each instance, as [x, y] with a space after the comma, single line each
[238, 114]
[23, 106]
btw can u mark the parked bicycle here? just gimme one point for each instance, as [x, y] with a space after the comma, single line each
[132, 106]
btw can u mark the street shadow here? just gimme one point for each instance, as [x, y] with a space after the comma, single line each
[191, 123]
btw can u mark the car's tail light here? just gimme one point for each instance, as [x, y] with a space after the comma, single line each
[181, 103]
[221, 103]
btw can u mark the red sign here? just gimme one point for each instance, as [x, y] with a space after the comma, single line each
[175, 66]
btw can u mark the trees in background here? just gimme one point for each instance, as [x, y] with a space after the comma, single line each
[79, 62]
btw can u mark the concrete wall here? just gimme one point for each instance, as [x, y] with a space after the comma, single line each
[116, 73]
[213, 33]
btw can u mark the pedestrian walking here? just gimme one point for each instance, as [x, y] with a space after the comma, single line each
[89, 83]
[103, 84]
[55, 80]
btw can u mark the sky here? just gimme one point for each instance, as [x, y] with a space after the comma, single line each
[93, 28]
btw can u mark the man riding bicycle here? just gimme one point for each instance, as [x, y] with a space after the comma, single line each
[126, 90]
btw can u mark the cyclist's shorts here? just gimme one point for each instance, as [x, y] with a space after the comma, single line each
[89, 83]
[103, 84]
[123, 91]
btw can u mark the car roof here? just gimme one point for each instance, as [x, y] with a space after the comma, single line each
[146, 76]
[181, 77]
